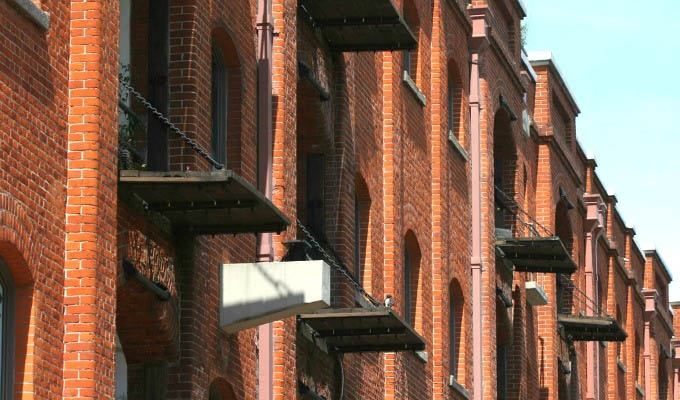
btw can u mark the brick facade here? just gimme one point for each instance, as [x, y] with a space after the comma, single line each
[397, 142]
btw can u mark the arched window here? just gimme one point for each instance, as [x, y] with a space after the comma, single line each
[410, 57]
[638, 362]
[456, 303]
[120, 376]
[451, 104]
[219, 98]
[620, 345]
[454, 104]
[362, 234]
[411, 279]
[6, 332]
[221, 390]
[503, 340]
[407, 285]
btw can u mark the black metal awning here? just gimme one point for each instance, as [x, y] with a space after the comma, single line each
[215, 202]
[355, 330]
[538, 254]
[595, 328]
[360, 25]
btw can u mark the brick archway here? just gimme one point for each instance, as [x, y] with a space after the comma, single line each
[18, 253]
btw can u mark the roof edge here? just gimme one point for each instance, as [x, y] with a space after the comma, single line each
[546, 57]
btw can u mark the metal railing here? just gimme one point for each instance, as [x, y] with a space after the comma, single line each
[572, 300]
[334, 261]
[524, 224]
[127, 89]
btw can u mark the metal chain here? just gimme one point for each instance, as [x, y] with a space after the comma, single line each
[511, 204]
[337, 265]
[186, 139]
[582, 297]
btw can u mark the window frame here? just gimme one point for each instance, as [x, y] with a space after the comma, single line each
[219, 99]
[357, 238]
[453, 348]
[7, 310]
[406, 61]
[408, 313]
[451, 112]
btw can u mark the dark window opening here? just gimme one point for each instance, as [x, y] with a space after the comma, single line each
[410, 57]
[456, 305]
[501, 370]
[407, 62]
[452, 335]
[451, 101]
[6, 332]
[412, 257]
[407, 286]
[158, 56]
[357, 238]
[498, 198]
[315, 195]
[218, 139]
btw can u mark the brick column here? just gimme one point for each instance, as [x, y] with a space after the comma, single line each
[650, 311]
[89, 269]
[595, 210]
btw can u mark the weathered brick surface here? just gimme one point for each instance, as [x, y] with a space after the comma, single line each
[64, 233]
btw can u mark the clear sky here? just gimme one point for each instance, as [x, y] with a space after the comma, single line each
[621, 60]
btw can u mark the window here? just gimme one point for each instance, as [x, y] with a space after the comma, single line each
[639, 362]
[503, 341]
[501, 370]
[410, 57]
[219, 92]
[357, 238]
[315, 194]
[121, 373]
[407, 285]
[407, 62]
[452, 335]
[214, 393]
[6, 332]
[221, 390]
[411, 280]
[362, 233]
[456, 302]
[451, 102]
[620, 345]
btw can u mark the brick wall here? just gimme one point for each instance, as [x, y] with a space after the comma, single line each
[64, 233]
[33, 118]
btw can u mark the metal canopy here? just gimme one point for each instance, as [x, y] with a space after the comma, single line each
[538, 255]
[354, 330]
[360, 25]
[586, 328]
[213, 202]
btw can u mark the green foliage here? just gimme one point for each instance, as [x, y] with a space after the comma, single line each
[129, 125]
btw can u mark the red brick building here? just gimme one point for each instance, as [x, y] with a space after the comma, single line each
[218, 199]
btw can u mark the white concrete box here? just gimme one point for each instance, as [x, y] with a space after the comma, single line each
[253, 294]
[535, 294]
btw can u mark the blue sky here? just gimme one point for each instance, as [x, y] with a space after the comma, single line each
[621, 61]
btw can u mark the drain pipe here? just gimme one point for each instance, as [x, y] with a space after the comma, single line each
[265, 250]
[595, 210]
[477, 43]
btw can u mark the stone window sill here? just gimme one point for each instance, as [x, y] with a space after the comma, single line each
[639, 390]
[33, 12]
[421, 355]
[457, 146]
[458, 387]
[414, 89]
[621, 366]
